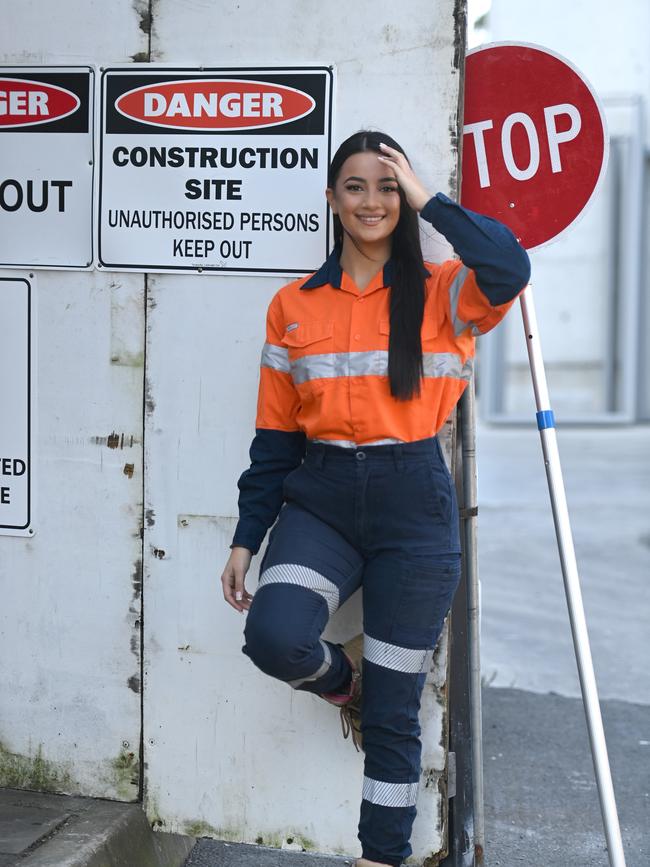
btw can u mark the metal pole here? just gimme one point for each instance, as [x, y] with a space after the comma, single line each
[470, 511]
[546, 426]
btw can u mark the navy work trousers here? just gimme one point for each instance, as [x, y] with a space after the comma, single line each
[383, 517]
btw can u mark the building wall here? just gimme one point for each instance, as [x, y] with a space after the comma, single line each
[171, 362]
[227, 750]
[575, 279]
[70, 619]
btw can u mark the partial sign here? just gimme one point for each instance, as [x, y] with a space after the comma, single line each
[535, 145]
[221, 171]
[46, 167]
[17, 358]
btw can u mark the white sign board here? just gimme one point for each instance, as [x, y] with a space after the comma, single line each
[17, 358]
[214, 170]
[46, 167]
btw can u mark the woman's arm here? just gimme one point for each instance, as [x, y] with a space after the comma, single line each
[273, 454]
[494, 267]
[499, 262]
[278, 446]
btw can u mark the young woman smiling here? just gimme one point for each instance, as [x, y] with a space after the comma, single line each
[363, 362]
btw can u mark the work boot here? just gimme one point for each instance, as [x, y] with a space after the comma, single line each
[350, 702]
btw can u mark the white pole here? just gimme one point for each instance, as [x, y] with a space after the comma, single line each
[470, 499]
[546, 425]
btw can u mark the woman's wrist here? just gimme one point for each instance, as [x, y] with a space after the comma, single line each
[422, 200]
[241, 548]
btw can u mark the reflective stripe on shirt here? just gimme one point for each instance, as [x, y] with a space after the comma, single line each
[373, 362]
[276, 357]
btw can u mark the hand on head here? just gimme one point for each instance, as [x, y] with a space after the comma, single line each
[415, 193]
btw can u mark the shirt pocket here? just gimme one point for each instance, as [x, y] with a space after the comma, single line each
[429, 330]
[311, 350]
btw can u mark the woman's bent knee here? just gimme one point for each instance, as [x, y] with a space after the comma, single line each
[275, 648]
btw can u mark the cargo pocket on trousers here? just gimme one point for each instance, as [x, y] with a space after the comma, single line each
[426, 592]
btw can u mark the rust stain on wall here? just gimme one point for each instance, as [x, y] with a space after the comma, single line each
[128, 470]
[116, 440]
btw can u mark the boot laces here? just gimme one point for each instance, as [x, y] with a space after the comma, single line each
[351, 713]
[348, 726]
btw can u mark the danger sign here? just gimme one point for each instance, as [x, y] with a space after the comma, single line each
[214, 170]
[46, 167]
[17, 401]
[534, 141]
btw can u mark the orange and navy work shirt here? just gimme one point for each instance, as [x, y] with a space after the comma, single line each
[324, 365]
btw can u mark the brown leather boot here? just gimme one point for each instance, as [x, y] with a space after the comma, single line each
[350, 702]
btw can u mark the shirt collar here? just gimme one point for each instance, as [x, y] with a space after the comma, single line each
[330, 272]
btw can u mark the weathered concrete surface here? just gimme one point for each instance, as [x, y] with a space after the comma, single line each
[526, 638]
[540, 793]
[41, 830]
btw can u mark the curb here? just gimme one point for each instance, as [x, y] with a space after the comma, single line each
[83, 832]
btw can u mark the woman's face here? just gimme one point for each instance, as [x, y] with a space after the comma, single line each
[366, 198]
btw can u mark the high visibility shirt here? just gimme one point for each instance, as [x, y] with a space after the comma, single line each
[324, 365]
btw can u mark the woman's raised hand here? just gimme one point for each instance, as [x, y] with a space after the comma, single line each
[232, 579]
[416, 195]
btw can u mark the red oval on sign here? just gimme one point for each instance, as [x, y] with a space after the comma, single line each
[25, 103]
[215, 104]
[535, 143]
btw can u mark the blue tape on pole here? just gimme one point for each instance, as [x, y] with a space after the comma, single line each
[545, 419]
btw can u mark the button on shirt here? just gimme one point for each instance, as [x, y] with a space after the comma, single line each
[324, 365]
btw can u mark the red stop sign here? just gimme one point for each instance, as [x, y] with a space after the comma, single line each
[534, 141]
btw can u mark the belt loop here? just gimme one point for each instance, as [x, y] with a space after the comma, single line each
[319, 456]
[398, 456]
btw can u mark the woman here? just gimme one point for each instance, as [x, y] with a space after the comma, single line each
[364, 361]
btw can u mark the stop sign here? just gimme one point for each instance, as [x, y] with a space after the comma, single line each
[534, 141]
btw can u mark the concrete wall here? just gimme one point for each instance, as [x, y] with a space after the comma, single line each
[226, 752]
[70, 612]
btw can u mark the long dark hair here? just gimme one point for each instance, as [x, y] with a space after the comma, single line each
[407, 284]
